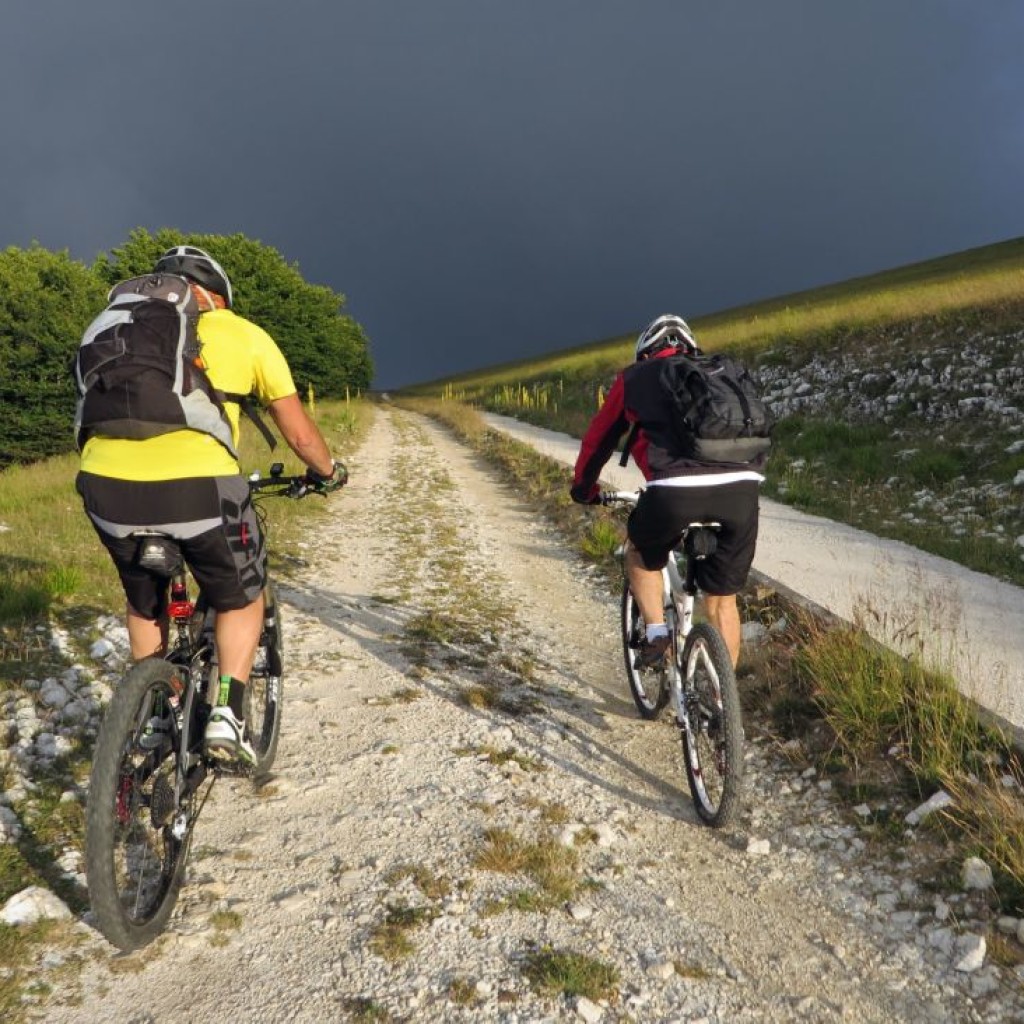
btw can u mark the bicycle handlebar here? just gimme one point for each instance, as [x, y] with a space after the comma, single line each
[619, 497]
[278, 485]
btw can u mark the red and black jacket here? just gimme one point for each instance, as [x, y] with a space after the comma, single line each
[637, 398]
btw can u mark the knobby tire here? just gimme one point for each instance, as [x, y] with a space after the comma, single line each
[266, 687]
[134, 865]
[649, 687]
[713, 744]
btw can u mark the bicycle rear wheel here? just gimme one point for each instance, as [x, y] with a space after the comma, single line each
[265, 689]
[648, 686]
[137, 837]
[712, 727]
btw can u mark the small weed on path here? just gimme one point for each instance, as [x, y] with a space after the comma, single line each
[562, 972]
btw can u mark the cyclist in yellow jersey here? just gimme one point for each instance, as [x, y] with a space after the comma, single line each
[187, 484]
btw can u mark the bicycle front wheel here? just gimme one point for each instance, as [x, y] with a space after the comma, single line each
[136, 834]
[265, 688]
[648, 686]
[712, 727]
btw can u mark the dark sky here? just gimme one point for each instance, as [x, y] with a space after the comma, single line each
[489, 179]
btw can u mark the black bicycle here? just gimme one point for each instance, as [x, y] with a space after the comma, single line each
[697, 677]
[150, 776]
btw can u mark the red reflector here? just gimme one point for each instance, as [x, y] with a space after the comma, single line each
[181, 609]
[245, 535]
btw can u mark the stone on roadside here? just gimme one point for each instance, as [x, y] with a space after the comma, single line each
[976, 874]
[662, 970]
[753, 633]
[934, 803]
[33, 904]
[53, 695]
[758, 847]
[10, 825]
[970, 951]
[101, 649]
[588, 1010]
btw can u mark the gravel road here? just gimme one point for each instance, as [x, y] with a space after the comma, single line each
[455, 684]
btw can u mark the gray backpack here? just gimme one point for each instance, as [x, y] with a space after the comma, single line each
[139, 368]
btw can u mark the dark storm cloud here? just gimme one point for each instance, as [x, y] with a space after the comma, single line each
[487, 180]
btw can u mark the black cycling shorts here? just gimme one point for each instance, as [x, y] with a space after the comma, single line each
[662, 513]
[211, 518]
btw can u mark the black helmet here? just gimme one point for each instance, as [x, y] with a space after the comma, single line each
[667, 329]
[198, 266]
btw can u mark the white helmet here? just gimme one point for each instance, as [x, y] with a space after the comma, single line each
[197, 265]
[667, 329]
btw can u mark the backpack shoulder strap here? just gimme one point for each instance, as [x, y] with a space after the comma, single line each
[628, 446]
[247, 404]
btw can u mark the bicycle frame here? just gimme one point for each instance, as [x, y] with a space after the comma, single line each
[192, 650]
[678, 601]
[679, 597]
[191, 647]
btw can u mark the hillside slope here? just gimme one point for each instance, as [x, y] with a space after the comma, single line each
[900, 398]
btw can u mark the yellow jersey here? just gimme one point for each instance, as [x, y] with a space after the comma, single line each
[240, 358]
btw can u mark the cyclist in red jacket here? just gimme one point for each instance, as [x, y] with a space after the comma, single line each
[680, 489]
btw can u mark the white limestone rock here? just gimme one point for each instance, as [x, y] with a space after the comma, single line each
[34, 904]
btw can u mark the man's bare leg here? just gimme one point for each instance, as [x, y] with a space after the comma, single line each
[647, 587]
[238, 635]
[146, 636]
[724, 615]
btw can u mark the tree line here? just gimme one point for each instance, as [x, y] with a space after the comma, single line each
[47, 299]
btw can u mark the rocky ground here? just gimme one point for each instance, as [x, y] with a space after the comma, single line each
[958, 393]
[468, 821]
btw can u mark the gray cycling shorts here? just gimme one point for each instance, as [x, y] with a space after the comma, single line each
[211, 518]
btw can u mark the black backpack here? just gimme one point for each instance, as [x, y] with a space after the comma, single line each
[139, 368]
[714, 409]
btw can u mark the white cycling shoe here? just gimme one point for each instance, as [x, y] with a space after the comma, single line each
[225, 737]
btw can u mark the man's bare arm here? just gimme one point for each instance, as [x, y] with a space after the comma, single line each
[302, 434]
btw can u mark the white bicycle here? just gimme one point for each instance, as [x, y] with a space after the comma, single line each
[696, 678]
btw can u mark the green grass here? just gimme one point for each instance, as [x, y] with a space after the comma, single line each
[561, 972]
[552, 868]
[18, 944]
[363, 1010]
[876, 702]
[391, 938]
[433, 886]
